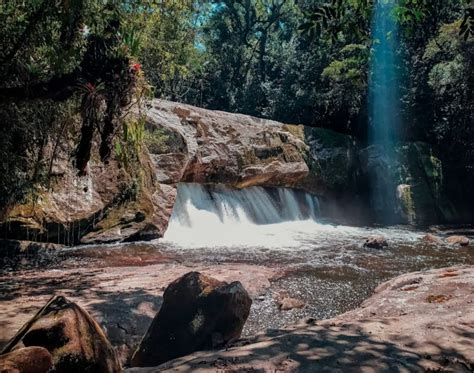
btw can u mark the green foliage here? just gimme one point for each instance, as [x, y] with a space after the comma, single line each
[448, 59]
[156, 141]
[467, 26]
[26, 158]
[346, 80]
[295, 61]
[337, 19]
[129, 146]
[55, 55]
[164, 42]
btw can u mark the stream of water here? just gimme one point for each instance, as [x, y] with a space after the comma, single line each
[322, 264]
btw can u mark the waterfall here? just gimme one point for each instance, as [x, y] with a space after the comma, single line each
[208, 215]
[384, 107]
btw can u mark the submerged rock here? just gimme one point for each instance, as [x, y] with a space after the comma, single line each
[376, 242]
[26, 360]
[458, 240]
[74, 340]
[198, 313]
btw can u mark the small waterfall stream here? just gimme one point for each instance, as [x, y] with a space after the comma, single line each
[206, 215]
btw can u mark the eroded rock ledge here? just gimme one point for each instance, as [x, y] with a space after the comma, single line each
[417, 322]
[190, 144]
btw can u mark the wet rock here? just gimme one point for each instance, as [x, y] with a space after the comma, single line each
[26, 360]
[288, 303]
[376, 242]
[407, 185]
[73, 338]
[198, 313]
[14, 248]
[148, 233]
[431, 239]
[458, 240]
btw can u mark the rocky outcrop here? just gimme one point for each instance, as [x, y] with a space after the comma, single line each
[74, 340]
[333, 161]
[406, 184]
[205, 146]
[198, 313]
[26, 360]
[416, 322]
[189, 144]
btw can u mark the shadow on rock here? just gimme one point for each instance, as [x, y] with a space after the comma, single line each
[198, 313]
[74, 340]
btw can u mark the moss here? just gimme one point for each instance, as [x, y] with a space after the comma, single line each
[408, 205]
[418, 167]
[296, 130]
[156, 140]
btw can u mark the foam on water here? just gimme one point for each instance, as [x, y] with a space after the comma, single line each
[218, 216]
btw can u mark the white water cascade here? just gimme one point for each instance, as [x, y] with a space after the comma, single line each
[215, 217]
[218, 215]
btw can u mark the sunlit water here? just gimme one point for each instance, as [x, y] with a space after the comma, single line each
[322, 264]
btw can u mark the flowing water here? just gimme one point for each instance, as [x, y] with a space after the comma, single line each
[322, 264]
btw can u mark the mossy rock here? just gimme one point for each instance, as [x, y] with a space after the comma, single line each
[332, 160]
[422, 171]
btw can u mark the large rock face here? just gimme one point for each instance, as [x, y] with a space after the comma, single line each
[333, 161]
[406, 186]
[203, 146]
[74, 340]
[198, 313]
[190, 144]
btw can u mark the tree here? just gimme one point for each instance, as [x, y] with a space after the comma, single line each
[59, 58]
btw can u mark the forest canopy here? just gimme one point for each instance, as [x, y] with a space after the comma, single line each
[296, 61]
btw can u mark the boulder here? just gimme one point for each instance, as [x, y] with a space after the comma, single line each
[74, 340]
[431, 239]
[26, 360]
[376, 242]
[288, 303]
[198, 313]
[458, 240]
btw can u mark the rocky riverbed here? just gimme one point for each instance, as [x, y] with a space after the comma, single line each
[418, 322]
[326, 274]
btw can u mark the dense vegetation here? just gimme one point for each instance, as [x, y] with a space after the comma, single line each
[79, 65]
